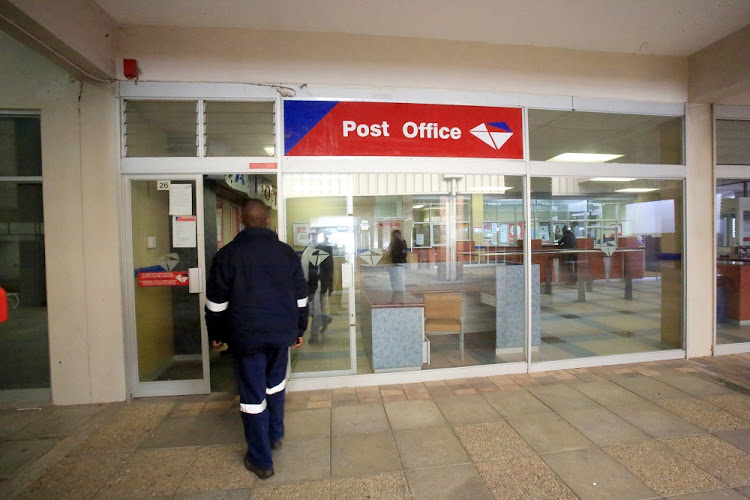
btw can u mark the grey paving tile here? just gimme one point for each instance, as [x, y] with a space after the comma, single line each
[662, 470]
[59, 421]
[15, 455]
[452, 482]
[309, 490]
[302, 460]
[609, 394]
[228, 429]
[592, 473]
[307, 424]
[562, 397]
[217, 468]
[719, 458]
[467, 409]
[429, 447]
[604, 427]
[391, 486]
[516, 403]
[745, 490]
[695, 386]
[149, 473]
[215, 495]
[650, 388]
[491, 441]
[655, 420]
[736, 404]
[80, 474]
[525, 477]
[739, 439]
[414, 414]
[548, 433]
[360, 454]
[12, 419]
[358, 419]
[181, 431]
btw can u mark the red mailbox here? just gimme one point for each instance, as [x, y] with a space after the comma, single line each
[3, 306]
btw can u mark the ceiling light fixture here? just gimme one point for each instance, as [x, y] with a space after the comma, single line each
[612, 179]
[636, 190]
[585, 157]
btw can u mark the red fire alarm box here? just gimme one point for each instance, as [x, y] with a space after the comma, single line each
[3, 306]
[130, 68]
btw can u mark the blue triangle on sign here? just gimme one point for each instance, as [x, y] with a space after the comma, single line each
[501, 125]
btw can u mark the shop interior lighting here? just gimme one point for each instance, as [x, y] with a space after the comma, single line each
[490, 189]
[417, 207]
[636, 190]
[585, 157]
[612, 179]
[270, 150]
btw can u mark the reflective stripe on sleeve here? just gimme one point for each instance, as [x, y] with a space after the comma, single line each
[277, 388]
[217, 308]
[253, 409]
[302, 302]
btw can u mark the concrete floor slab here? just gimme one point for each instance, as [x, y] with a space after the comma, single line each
[429, 447]
[548, 433]
[307, 424]
[650, 388]
[360, 454]
[562, 397]
[704, 414]
[591, 473]
[719, 458]
[655, 420]
[414, 414]
[391, 486]
[217, 468]
[17, 454]
[452, 482]
[302, 460]
[467, 409]
[520, 402]
[150, 473]
[310, 490]
[358, 419]
[609, 394]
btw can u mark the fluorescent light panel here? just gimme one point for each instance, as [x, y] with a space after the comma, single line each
[636, 190]
[585, 157]
[612, 179]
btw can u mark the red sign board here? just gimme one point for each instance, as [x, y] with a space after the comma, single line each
[163, 278]
[332, 128]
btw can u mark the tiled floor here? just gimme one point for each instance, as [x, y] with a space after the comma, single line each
[651, 430]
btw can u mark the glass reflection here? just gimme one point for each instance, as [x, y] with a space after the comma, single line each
[610, 255]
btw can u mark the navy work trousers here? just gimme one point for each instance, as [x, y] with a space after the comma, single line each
[261, 380]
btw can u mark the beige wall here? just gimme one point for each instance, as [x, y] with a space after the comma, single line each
[81, 221]
[239, 55]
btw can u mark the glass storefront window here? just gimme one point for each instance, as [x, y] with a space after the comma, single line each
[160, 128]
[733, 260]
[24, 344]
[235, 128]
[733, 142]
[611, 268]
[577, 136]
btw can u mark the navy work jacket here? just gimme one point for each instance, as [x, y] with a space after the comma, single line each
[256, 293]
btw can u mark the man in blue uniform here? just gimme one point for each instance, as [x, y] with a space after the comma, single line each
[257, 302]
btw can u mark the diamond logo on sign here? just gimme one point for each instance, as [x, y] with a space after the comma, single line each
[494, 134]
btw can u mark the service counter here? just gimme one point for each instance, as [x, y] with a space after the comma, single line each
[392, 322]
[733, 283]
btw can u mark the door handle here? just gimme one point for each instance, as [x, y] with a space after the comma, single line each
[195, 280]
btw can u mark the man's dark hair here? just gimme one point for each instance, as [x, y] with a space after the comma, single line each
[255, 213]
[396, 232]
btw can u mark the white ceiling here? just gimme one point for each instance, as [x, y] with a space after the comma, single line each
[665, 27]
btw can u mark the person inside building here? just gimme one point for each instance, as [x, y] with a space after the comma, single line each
[568, 242]
[317, 264]
[397, 250]
[257, 301]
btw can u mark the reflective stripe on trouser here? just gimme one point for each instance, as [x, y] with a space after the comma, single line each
[262, 413]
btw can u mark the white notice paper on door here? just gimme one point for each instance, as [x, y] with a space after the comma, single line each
[183, 231]
[181, 199]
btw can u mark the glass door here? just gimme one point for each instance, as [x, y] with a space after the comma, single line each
[322, 232]
[168, 348]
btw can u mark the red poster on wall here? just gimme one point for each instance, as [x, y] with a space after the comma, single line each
[334, 128]
[163, 278]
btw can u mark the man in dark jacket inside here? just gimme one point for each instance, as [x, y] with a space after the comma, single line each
[257, 302]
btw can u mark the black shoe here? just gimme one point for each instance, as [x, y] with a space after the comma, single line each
[277, 444]
[314, 339]
[326, 321]
[261, 473]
